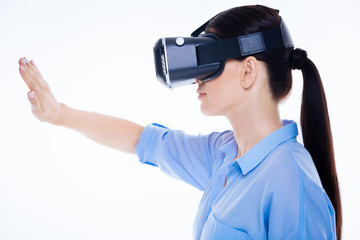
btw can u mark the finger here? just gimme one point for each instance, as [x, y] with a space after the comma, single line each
[29, 80]
[34, 72]
[35, 103]
[21, 61]
[32, 85]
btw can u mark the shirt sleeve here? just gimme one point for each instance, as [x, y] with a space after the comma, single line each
[185, 157]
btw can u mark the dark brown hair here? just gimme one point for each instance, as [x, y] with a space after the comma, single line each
[315, 121]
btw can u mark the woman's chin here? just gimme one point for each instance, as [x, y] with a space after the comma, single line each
[205, 110]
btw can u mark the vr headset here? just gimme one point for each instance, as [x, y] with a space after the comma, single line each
[182, 61]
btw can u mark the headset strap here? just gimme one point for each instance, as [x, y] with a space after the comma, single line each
[203, 27]
[244, 45]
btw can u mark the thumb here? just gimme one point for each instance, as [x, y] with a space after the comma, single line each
[35, 104]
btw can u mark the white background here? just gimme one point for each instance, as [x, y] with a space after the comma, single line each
[97, 56]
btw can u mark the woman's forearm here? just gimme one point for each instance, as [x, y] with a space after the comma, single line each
[110, 131]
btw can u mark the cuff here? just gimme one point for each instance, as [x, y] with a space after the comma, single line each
[146, 147]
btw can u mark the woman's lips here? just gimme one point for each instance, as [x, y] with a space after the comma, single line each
[200, 92]
[201, 95]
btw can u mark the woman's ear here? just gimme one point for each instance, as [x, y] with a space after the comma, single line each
[249, 71]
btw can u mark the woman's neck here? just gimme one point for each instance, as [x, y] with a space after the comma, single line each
[254, 123]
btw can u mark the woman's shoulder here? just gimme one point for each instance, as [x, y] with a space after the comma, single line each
[222, 138]
[295, 166]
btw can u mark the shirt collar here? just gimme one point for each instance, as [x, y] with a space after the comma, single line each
[258, 153]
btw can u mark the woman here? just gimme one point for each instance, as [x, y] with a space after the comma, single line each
[258, 181]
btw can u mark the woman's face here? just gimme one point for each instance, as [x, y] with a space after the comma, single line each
[223, 94]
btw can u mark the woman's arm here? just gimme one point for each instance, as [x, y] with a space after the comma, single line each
[113, 132]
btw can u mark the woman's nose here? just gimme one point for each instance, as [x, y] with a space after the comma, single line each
[198, 82]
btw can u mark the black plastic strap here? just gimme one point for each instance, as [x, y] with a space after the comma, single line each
[203, 27]
[244, 45]
[218, 51]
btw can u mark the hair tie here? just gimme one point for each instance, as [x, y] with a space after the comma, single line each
[297, 58]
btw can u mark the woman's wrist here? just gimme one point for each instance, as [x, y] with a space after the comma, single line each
[62, 115]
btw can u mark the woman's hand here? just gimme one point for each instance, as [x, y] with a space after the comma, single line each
[43, 103]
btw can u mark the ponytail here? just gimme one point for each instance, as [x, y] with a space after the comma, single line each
[316, 129]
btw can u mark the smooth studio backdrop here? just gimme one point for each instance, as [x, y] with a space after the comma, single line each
[97, 56]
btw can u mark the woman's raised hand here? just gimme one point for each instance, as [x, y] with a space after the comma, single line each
[43, 103]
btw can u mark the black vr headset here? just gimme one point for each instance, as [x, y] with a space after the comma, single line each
[181, 61]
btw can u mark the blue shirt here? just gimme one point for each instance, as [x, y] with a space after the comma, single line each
[272, 192]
